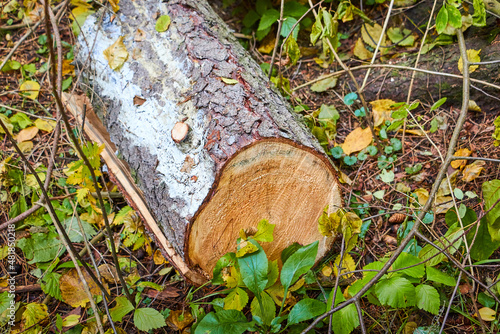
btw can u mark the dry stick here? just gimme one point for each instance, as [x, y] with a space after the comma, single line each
[358, 89]
[49, 206]
[476, 158]
[337, 279]
[61, 111]
[388, 16]
[86, 288]
[405, 68]
[280, 24]
[416, 65]
[92, 258]
[427, 206]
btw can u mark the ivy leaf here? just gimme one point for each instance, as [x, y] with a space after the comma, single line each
[236, 300]
[122, 308]
[224, 322]
[350, 98]
[336, 152]
[146, 319]
[264, 231]
[442, 19]
[305, 309]
[396, 292]
[253, 269]
[298, 264]
[427, 298]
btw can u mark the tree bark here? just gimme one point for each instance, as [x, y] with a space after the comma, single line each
[246, 155]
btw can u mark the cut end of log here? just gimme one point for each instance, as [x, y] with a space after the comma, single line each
[278, 180]
[179, 131]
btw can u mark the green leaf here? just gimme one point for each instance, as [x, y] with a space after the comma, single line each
[226, 261]
[229, 81]
[324, 85]
[345, 320]
[454, 17]
[269, 308]
[441, 20]
[350, 98]
[236, 300]
[486, 300]
[350, 160]
[122, 308]
[5, 301]
[402, 37]
[427, 298]
[162, 23]
[146, 319]
[292, 50]
[270, 17]
[317, 28]
[287, 26]
[438, 103]
[73, 229]
[22, 120]
[253, 269]
[397, 292]
[483, 246]
[66, 83]
[306, 309]
[41, 247]
[298, 264]
[223, 322]
[272, 273]
[387, 176]
[328, 112]
[429, 252]
[248, 248]
[405, 260]
[479, 17]
[491, 194]
[295, 9]
[289, 251]
[250, 18]
[264, 231]
[50, 285]
[337, 152]
[436, 275]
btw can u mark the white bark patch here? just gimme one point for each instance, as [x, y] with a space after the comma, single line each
[149, 125]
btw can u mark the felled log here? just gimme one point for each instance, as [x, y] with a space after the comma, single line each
[244, 157]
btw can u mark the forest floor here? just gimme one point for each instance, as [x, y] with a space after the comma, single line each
[377, 187]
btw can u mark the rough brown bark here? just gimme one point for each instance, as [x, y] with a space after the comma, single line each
[182, 75]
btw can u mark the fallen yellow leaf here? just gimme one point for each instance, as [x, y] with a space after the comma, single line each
[360, 50]
[72, 290]
[178, 320]
[267, 44]
[27, 134]
[382, 111]
[416, 132]
[158, 258]
[45, 125]
[473, 56]
[472, 171]
[486, 314]
[371, 35]
[327, 271]
[30, 89]
[114, 5]
[116, 54]
[25, 146]
[463, 152]
[357, 140]
[348, 265]
[67, 68]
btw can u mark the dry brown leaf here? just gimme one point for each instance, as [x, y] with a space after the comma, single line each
[463, 152]
[72, 290]
[178, 320]
[382, 111]
[166, 294]
[472, 171]
[27, 134]
[67, 68]
[138, 101]
[116, 54]
[357, 140]
[108, 272]
[360, 50]
[416, 132]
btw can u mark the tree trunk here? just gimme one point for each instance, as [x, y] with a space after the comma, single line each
[245, 156]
